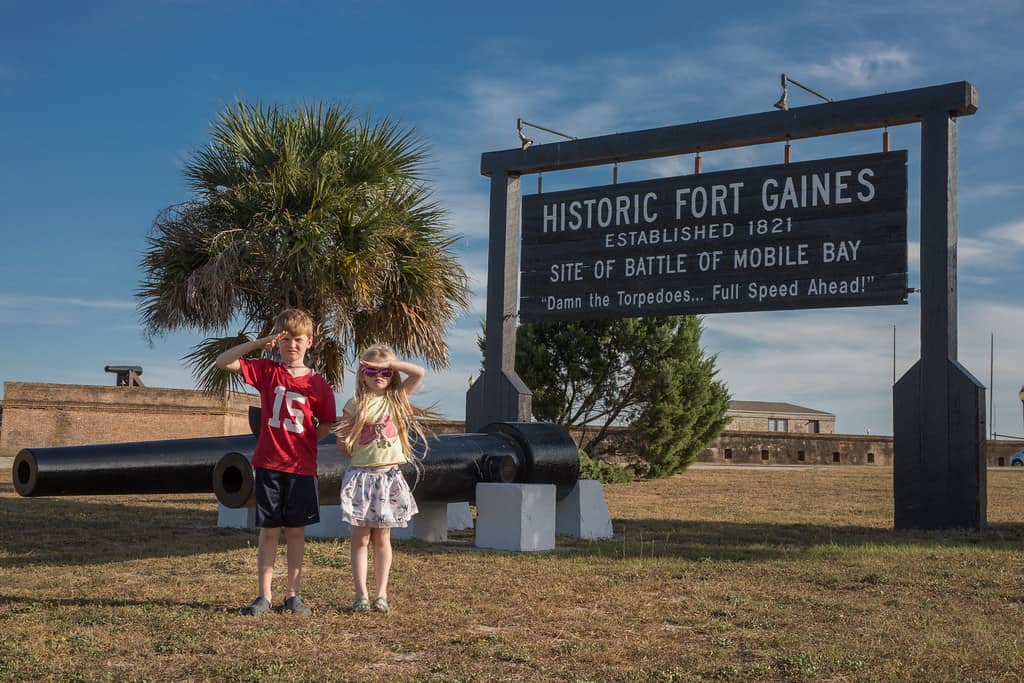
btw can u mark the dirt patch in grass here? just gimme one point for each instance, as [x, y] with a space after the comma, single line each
[717, 574]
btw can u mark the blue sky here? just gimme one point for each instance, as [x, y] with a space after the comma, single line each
[102, 101]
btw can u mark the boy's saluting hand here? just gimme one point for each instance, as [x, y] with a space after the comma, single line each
[271, 339]
[228, 360]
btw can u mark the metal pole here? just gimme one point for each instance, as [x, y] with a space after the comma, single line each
[1021, 395]
[894, 354]
[991, 385]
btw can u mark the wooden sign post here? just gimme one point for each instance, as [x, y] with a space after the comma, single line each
[756, 239]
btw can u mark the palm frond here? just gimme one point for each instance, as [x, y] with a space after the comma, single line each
[208, 376]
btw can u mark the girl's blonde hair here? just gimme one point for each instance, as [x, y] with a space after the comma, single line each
[403, 414]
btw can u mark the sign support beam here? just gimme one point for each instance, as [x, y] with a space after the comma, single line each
[830, 118]
[499, 395]
[939, 473]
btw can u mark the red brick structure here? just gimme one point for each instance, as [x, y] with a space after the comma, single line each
[774, 448]
[45, 415]
[999, 452]
[767, 416]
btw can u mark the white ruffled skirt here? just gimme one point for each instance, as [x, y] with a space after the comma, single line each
[376, 497]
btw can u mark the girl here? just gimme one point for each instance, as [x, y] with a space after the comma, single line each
[374, 431]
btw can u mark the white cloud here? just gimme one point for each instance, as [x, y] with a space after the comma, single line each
[988, 191]
[913, 258]
[1011, 233]
[827, 359]
[980, 323]
[447, 390]
[468, 211]
[974, 253]
[35, 301]
[999, 128]
[55, 311]
[496, 104]
[994, 251]
[871, 67]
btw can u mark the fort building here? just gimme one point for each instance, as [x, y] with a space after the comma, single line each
[38, 415]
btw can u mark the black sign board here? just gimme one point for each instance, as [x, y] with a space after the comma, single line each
[825, 233]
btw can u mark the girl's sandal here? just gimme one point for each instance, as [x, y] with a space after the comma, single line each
[361, 605]
[381, 605]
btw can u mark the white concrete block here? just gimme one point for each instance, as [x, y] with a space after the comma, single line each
[459, 516]
[515, 516]
[235, 518]
[429, 524]
[330, 524]
[584, 512]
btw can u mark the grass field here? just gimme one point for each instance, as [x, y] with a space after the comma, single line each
[718, 574]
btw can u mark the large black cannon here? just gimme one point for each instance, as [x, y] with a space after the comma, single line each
[169, 466]
[505, 452]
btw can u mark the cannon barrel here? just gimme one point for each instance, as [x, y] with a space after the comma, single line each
[168, 466]
[506, 452]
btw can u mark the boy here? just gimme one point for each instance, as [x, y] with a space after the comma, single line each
[296, 411]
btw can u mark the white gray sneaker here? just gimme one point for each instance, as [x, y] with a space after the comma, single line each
[295, 605]
[258, 607]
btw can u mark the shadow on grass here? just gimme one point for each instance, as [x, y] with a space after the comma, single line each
[81, 531]
[735, 541]
[23, 604]
[94, 530]
[744, 542]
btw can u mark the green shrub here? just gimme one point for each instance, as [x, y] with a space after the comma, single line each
[605, 472]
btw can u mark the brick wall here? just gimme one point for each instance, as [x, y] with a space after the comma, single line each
[43, 415]
[775, 448]
[785, 448]
[799, 423]
[999, 452]
[780, 447]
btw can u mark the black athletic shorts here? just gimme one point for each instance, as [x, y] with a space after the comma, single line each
[285, 499]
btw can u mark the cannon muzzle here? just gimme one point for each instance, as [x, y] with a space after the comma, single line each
[169, 466]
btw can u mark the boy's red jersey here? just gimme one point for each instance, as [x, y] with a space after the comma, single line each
[287, 440]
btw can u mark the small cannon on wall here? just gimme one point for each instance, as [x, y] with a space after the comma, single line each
[505, 452]
[168, 466]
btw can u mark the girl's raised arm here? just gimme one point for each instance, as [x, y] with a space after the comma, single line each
[413, 374]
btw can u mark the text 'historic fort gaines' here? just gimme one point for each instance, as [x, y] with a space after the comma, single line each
[814, 234]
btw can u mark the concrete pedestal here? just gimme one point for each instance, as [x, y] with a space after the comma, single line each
[235, 518]
[459, 516]
[515, 516]
[330, 524]
[584, 512]
[429, 524]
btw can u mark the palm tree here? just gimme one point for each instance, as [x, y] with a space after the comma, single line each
[310, 208]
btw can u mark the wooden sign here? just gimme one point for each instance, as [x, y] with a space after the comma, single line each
[825, 233]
